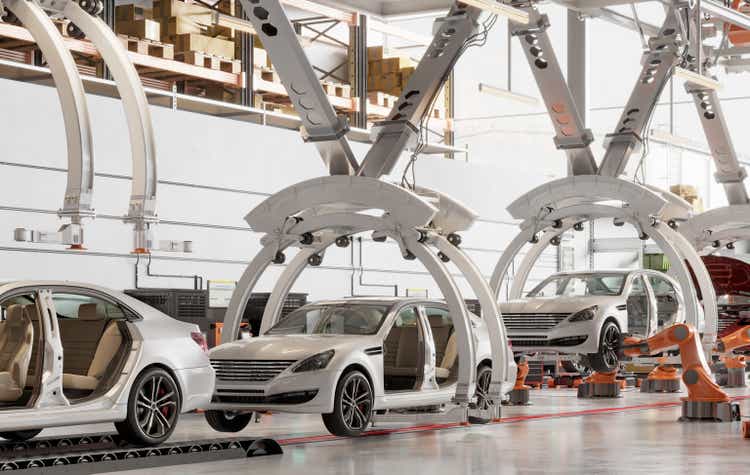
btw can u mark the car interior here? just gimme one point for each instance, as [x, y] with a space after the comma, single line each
[446, 349]
[95, 343]
[638, 308]
[20, 340]
[402, 359]
[666, 301]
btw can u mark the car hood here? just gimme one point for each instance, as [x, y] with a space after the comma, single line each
[730, 276]
[283, 347]
[554, 304]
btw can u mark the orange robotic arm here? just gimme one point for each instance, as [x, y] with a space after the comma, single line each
[734, 340]
[696, 375]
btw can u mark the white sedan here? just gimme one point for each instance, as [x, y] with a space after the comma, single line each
[346, 359]
[78, 354]
[585, 313]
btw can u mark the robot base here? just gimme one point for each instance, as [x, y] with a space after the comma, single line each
[599, 390]
[736, 378]
[519, 397]
[710, 411]
[660, 386]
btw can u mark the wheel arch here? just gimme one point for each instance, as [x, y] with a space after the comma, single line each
[169, 371]
[362, 369]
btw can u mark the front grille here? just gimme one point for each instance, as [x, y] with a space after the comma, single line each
[250, 371]
[516, 322]
[566, 341]
[293, 398]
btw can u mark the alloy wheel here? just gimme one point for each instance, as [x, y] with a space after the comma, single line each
[610, 345]
[156, 406]
[356, 403]
[483, 389]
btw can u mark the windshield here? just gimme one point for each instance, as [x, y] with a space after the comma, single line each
[580, 285]
[345, 319]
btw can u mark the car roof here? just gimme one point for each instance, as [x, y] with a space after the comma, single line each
[377, 300]
[601, 271]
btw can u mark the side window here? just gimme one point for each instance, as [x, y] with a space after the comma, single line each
[407, 318]
[638, 307]
[666, 299]
[85, 307]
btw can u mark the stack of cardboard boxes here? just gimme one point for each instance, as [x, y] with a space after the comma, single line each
[388, 73]
[690, 194]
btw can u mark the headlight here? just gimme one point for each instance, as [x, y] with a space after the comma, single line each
[314, 363]
[584, 315]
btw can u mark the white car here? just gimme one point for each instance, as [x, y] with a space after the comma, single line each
[78, 354]
[344, 360]
[586, 313]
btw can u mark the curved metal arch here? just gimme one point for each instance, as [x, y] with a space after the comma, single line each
[77, 203]
[677, 250]
[587, 188]
[341, 192]
[702, 229]
[490, 314]
[142, 207]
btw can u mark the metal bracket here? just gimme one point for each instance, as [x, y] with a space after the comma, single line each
[571, 136]
[319, 119]
[77, 203]
[658, 63]
[451, 36]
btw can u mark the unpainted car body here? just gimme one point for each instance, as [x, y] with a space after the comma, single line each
[585, 313]
[406, 360]
[97, 356]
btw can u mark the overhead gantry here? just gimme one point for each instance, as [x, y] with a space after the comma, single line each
[142, 212]
[316, 214]
[589, 192]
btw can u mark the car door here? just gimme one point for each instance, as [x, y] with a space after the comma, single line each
[404, 351]
[45, 357]
[667, 300]
[638, 304]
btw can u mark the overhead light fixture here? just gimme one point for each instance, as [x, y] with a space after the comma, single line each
[513, 14]
[697, 79]
[506, 94]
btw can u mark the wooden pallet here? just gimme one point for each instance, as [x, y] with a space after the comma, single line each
[382, 99]
[337, 90]
[216, 63]
[147, 47]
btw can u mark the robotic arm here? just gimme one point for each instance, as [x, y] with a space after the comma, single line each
[734, 340]
[696, 374]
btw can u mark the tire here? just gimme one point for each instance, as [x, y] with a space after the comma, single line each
[352, 406]
[228, 421]
[607, 359]
[20, 435]
[153, 408]
[484, 379]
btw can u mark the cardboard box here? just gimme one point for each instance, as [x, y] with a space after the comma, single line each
[174, 26]
[144, 29]
[175, 8]
[132, 13]
[203, 44]
[684, 191]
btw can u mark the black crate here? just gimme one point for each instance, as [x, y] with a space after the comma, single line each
[473, 306]
[257, 305]
[181, 304]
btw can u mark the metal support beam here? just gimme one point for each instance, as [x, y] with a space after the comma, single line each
[402, 128]
[77, 203]
[578, 63]
[358, 69]
[321, 125]
[658, 63]
[563, 104]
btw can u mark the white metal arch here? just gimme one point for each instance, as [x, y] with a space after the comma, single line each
[725, 224]
[77, 203]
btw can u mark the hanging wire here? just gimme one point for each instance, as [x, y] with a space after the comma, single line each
[478, 39]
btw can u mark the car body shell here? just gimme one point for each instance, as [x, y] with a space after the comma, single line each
[731, 280]
[156, 340]
[565, 337]
[351, 351]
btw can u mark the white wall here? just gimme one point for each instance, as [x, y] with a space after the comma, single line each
[217, 170]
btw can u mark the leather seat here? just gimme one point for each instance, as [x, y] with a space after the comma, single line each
[16, 341]
[108, 346]
[80, 338]
[443, 371]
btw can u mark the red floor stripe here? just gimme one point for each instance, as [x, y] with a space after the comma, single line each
[503, 420]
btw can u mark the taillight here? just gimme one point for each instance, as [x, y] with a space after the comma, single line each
[200, 340]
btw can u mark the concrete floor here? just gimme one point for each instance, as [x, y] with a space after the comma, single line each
[627, 440]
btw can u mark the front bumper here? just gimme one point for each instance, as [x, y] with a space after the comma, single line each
[304, 393]
[564, 338]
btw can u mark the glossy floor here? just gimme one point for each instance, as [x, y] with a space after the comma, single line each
[568, 435]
